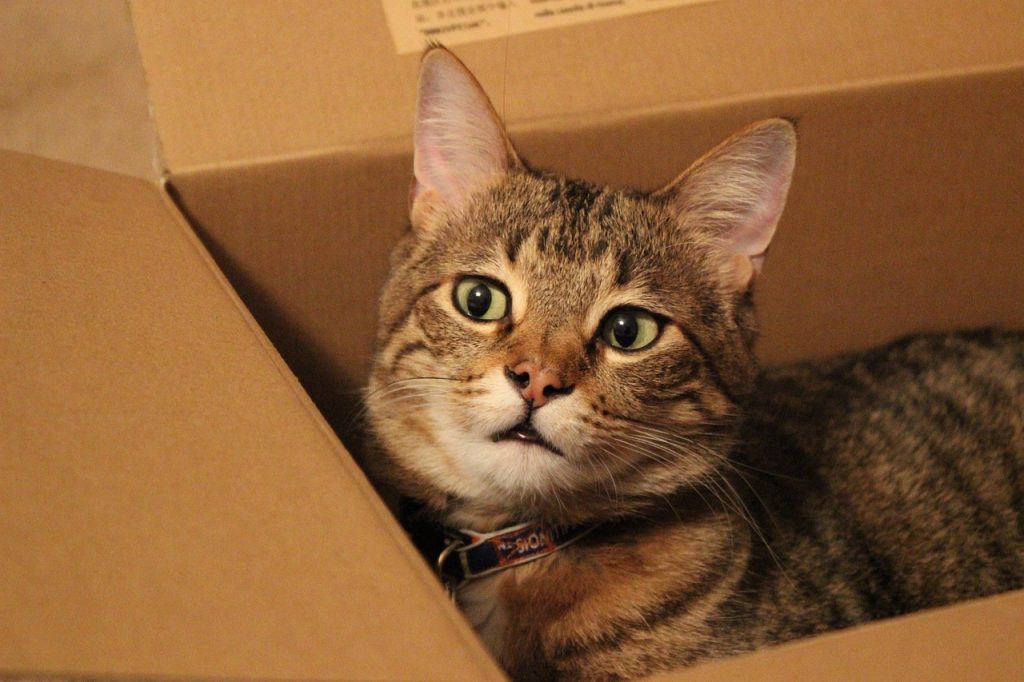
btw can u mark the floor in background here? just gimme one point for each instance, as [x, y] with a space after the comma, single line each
[71, 84]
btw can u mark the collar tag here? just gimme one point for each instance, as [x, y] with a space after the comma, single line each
[471, 555]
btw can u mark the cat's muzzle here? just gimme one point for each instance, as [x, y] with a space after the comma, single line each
[525, 433]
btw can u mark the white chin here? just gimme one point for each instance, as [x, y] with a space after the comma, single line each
[514, 468]
[524, 448]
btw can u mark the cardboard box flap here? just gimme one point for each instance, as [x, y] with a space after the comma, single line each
[170, 502]
[235, 81]
[978, 640]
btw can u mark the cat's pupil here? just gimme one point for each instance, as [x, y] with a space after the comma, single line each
[625, 330]
[478, 302]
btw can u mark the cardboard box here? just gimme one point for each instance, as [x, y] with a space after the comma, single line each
[172, 503]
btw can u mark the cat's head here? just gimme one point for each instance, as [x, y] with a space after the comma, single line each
[552, 349]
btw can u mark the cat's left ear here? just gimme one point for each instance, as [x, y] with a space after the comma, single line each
[737, 192]
[459, 142]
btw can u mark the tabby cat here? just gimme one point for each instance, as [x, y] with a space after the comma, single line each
[579, 358]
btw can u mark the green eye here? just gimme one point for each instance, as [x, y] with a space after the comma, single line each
[480, 299]
[628, 329]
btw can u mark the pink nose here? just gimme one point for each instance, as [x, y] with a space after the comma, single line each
[535, 384]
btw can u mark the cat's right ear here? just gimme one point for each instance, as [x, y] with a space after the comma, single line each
[459, 142]
[736, 192]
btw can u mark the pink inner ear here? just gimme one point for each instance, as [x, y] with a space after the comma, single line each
[459, 142]
[433, 172]
[753, 236]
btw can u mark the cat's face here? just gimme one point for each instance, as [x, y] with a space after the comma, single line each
[551, 349]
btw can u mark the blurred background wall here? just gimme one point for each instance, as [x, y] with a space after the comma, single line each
[71, 84]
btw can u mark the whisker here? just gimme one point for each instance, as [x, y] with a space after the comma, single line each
[668, 446]
[409, 380]
[389, 392]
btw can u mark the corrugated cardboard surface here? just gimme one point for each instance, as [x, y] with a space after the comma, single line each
[980, 640]
[238, 80]
[170, 501]
[308, 262]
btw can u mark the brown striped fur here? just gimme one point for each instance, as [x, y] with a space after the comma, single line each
[738, 507]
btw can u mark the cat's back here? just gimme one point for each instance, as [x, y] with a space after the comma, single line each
[959, 383]
[912, 454]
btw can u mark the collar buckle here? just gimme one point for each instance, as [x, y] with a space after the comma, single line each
[450, 581]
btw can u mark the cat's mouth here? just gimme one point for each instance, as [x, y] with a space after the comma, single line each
[524, 432]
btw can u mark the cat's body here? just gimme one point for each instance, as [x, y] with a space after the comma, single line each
[880, 484]
[558, 352]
